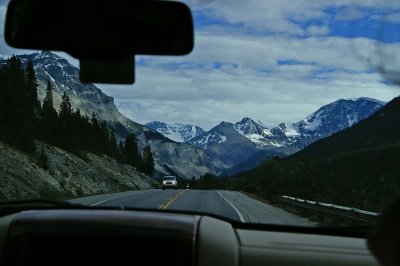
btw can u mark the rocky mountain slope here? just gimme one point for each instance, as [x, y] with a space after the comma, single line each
[90, 99]
[376, 133]
[65, 176]
[225, 143]
[328, 119]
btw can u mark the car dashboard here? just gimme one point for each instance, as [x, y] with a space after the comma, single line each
[121, 237]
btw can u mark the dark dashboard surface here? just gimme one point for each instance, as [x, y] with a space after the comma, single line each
[128, 237]
[97, 237]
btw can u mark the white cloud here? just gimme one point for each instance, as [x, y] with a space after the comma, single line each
[281, 16]
[263, 52]
[281, 93]
[251, 82]
[318, 30]
[3, 10]
[348, 14]
[393, 17]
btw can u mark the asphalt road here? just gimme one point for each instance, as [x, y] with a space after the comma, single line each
[230, 204]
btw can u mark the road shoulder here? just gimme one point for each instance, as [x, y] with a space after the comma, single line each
[255, 211]
[99, 199]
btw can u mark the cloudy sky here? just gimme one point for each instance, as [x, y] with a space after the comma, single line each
[271, 60]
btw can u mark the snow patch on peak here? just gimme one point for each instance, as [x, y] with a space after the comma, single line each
[248, 128]
[208, 139]
[291, 130]
[359, 99]
[52, 79]
[371, 100]
[223, 139]
[178, 132]
[314, 121]
[352, 119]
[45, 54]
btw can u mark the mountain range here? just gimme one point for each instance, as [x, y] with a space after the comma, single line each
[247, 143]
[376, 133]
[358, 166]
[170, 157]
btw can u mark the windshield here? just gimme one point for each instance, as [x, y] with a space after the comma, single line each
[284, 113]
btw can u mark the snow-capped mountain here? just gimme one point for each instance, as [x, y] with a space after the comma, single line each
[337, 116]
[255, 131]
[177, 132]
[329, 119]
[285, 138]
[225, 143]
[170, 157]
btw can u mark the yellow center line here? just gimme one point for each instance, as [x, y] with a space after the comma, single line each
[170, 200]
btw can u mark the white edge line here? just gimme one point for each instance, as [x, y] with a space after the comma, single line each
[234, 207]
[100, 202]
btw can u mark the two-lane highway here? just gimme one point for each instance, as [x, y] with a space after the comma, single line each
[205, 201]
[230, 204]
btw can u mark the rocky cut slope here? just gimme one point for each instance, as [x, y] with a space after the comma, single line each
[65, 175]
[168, 155]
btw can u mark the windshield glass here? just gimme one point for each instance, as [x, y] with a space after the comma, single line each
[284, 113]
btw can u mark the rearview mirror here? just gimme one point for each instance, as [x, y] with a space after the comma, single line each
[104, 35]
[100, 29]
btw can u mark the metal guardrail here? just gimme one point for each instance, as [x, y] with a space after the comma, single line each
[351, 213]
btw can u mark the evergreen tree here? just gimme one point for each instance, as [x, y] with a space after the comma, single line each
[130, 152]
[18, 110]
[148, 161]
[120, 152]
[95, 134]
[94, 121]
[49, 117]
[64, 127]
[104, 138]
[113, 145]
[65, 111]
[3, 102]
[48, 103]
[14, 83]
[76, 129]
[32, 85]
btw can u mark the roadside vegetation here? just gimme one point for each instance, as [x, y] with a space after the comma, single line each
[354, 179]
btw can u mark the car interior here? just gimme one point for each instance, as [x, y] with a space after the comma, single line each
[124, 237]
[70, 234]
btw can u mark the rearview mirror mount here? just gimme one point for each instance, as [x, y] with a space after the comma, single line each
[101, 31]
